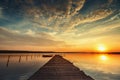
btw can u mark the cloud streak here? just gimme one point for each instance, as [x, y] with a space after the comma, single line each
[15, 38]
[55, 15]
[64, 19]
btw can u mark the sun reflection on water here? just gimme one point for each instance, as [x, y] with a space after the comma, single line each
[103, 57]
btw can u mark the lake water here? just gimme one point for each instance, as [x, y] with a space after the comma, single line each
[22, 66]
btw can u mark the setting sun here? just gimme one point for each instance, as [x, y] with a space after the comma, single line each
[101, 48]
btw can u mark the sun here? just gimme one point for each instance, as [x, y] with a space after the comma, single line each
[101, 48]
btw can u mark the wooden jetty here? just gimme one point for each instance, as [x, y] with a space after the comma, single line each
[59, 68]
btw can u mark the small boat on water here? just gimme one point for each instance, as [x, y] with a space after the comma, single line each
[47, 55]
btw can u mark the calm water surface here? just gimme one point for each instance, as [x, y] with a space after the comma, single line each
[22, 66]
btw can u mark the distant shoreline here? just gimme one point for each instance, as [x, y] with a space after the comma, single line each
[21, 51]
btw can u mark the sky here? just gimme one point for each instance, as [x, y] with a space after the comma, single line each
[59, 25]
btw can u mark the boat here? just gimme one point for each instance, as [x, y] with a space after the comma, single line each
[47, 55]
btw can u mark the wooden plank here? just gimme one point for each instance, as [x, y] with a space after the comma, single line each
[59, 68]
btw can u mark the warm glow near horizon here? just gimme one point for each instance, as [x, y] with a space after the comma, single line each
[101, 48]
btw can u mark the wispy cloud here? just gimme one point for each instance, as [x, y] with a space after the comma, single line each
[56, 15]
[14, 38]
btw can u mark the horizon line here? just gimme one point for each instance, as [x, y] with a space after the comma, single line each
[29, 51]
